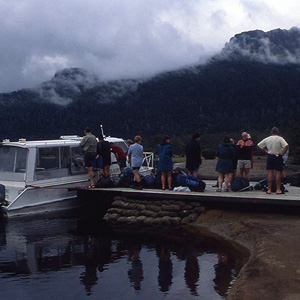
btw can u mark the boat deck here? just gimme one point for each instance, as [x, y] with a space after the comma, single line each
[289, 199]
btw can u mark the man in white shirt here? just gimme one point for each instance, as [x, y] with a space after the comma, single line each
[275, 147]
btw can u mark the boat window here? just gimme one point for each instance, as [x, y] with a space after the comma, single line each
[77, 162]
[52, 162]
[64, 157]
[47, 158]
[13, 159]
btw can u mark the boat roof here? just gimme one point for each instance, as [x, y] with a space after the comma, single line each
[62, 141]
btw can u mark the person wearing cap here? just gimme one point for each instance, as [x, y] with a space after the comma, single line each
[244, 155]
[275, 147]
[89, 145]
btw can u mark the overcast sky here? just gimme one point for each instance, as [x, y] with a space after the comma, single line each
[124, 38]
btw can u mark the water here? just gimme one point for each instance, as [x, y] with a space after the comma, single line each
[67, 257]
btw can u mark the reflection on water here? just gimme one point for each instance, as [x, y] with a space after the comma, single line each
[66, 257]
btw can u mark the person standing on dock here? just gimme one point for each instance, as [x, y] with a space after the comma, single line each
[165, 164]
[225, 153]
[135, 154]
[89, 144]
[275, 147]
[120, 156]
[244, 152]
[106, 155]
[193, 154]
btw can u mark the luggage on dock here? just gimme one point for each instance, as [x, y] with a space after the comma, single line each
[195, 184]
[128, 172]
[104, 182]
[115, 180]
[295, 182]
[126, 181]
[149, 181]
[263, 185]
[174, 174]
[240, 184]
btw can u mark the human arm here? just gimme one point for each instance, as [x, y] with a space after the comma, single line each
[83, 141]
[284, 150]
[262, 145]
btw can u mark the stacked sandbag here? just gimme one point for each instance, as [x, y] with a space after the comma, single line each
[147, 212]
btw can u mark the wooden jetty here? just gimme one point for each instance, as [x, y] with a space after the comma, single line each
[209, 196]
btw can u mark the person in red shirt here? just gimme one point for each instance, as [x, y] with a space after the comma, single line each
[120, 156]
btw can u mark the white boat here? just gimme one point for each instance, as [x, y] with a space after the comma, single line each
[34, 174]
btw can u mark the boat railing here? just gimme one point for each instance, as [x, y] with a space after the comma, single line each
[148, 159]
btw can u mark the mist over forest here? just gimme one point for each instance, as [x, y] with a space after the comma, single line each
[252, 85]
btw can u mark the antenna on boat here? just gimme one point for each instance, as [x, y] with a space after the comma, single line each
[101, 129]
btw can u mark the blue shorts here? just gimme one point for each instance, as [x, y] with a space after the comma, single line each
[98, 163]
[274, 162]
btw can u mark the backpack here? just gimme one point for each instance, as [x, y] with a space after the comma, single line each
[263, 185]
[128, 172]
[104, 182]
[174, 175]
[149, 181]
[126, 181]
[195, 184]
[240, 184]
[295, 182]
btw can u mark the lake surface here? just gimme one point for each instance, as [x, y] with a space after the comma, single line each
[65, 256]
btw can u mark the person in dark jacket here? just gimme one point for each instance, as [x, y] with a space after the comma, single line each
[165, 165]
[226, 154]
[106, 157]
[193, 154]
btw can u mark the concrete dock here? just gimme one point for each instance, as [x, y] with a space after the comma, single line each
[209, 196]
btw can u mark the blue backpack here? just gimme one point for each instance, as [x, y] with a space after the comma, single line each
[195, 184]
[240, 184]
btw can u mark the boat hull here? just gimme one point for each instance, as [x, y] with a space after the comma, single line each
[35, 199]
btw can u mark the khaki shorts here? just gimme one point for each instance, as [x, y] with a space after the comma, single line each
[244, 164]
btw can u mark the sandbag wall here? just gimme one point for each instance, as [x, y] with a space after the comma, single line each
[147, 212]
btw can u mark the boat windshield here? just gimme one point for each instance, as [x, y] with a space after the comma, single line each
[12, 163]
[122, 145]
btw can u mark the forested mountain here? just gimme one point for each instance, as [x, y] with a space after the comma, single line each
[253, 84]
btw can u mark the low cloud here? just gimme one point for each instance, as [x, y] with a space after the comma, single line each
[276, 46]
[123, 39]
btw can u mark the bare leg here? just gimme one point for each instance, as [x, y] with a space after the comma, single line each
[227, 180]
[136, 176]
[241, 172]
[270, 177]
[195, 173]
[163, 179]
[220, 180]
[170, 179]
[106, 171]
[91, 175]
[278, 181]
[247, 174]
[231, 176]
